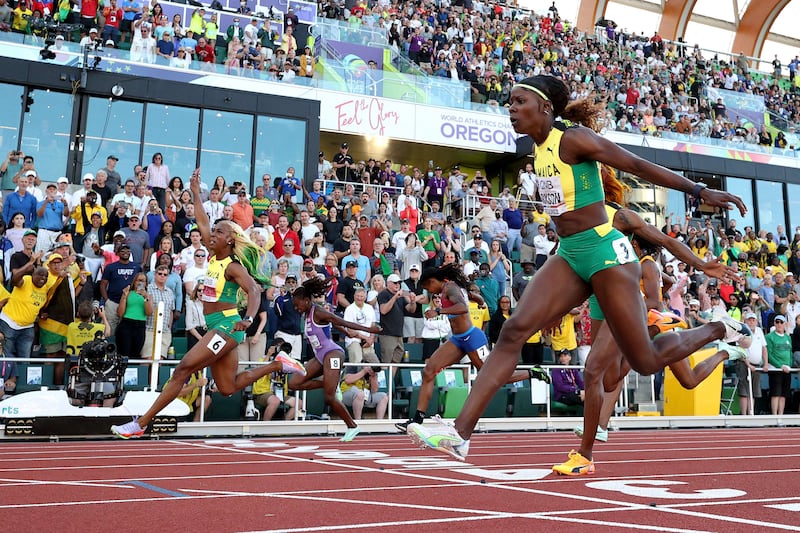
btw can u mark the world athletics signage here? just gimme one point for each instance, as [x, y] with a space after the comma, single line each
[373, 116]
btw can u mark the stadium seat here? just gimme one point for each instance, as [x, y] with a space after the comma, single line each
[498, 405]
[180, 346]
[414, 352]
[453, 391]
[558, 408]
[315, 403]
[522, 405]
[225, 408]
[33, 376]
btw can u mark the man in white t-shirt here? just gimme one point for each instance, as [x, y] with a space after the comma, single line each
[360, 345]
[132, 202]
[748, 371]
[187, 258]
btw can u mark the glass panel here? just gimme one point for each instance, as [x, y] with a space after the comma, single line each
[46, 132]
[172, 130]
[743, 188]
[227, 146]
[113, 127]
[280, 144]
[770, 205]
[793, 200]
[9, 121]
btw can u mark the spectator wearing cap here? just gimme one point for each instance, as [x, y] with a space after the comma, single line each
[413, 322]
[159, 292]
[80, 195]
[137, 240]
[360, 345]
[345, 289]
[748, 370]
[20, 258]
[59, 311]
[20, 201]
[116, 277]
[393, 302]
[18, 316]
[50, 213]
[343, 164]
[83, 211]
[779, 359]
[33, 185]
[92, 40]
[242, 211]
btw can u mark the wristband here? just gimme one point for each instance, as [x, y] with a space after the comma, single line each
[697, 189]
[247, 319]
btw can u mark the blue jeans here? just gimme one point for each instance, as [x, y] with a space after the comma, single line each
[19, 342]
[514, 240]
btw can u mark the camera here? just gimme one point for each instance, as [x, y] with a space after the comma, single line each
[377, 369]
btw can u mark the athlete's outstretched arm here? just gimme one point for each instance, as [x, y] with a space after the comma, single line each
[199, 213]
[628, 221]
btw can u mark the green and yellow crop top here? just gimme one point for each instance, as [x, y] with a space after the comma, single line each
[563, 187]
[215, 287]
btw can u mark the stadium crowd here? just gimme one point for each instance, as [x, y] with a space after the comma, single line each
[649, 86]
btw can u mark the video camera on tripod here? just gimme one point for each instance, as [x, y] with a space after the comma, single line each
[96, 375]
[49, 28]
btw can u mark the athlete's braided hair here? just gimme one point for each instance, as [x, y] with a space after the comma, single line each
[451, 272]
[647, 246]
[614, 189]
[315, 287]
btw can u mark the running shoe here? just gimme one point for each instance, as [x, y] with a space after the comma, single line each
[539, 373]
[129, 430]
[576, 465]
[664, 321]
[601, 435]
[290, 366]
[350, 434]
[735, 353]
[735, 331]
[403, 426]
[440, 436]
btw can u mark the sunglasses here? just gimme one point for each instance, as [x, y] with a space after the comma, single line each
[162, 273]
[199, 255]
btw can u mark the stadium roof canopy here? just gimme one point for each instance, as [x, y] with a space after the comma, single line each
[759, 28]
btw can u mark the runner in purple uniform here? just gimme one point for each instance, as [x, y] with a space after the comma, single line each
[328, 356]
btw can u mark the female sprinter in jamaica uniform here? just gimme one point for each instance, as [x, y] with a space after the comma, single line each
[234, 262]
[605, 367]
[328, 356]
[592, 257]
[467, 341]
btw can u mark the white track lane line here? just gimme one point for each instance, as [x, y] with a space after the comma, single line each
[630, 505]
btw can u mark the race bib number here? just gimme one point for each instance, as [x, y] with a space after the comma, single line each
[279, 394]
[209, 293]
[552, 196]
[336, 363]
[483, 353]
[623, 250]
[367, 394]
[314, 341]
[216, 344]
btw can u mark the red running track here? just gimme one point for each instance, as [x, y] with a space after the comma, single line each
[727, 480]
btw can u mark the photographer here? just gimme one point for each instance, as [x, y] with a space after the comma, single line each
[271, 391]
[10, 169]
[360, 389]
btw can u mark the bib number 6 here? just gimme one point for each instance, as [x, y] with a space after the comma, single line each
[216, 344]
